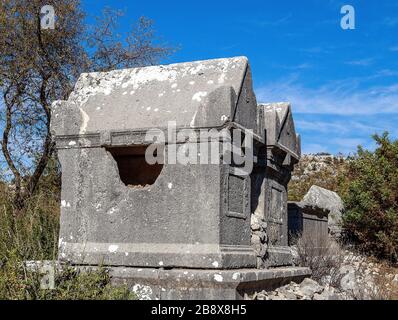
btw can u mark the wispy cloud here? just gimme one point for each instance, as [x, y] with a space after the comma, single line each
[302, 66]
[390, 21]
[336, 97]
[349, 145]
[338, 126]
[361, 62]
[294, 67]
[317, 49]
[387, 73]
[339, 115]
[314, 148]
[328, 133]
[267, 22]
[394, 48]
[229, 47]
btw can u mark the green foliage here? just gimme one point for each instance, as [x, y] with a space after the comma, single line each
[19, 283]
[32, 234]
[371, 199]
[87, 285]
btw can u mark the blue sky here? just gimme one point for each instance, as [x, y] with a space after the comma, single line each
[343, 84]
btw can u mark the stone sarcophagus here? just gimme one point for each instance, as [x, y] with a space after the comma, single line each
[118, 209]
[315, 217]
[176, 167]
[282, 150]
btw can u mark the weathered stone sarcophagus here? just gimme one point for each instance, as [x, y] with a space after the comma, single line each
[148, 184]
[117, 208]
[282, 151]
[315, 217]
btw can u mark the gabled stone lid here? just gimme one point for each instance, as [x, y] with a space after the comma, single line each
[194, 94]
[280, 130]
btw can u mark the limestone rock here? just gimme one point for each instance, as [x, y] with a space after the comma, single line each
[349, 282]
[255, 223]
[309, 287]
[46, 270]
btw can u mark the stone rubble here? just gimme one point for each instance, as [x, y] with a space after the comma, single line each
[311, 164]
[259, 237]
[355, 279]
[309, 289]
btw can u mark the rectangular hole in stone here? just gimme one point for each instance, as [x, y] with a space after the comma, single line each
[134, 170]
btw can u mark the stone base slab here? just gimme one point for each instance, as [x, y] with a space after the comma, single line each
[197, 284]
[157, 255]
[279, 256]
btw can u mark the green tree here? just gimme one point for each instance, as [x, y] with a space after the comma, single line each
[371, 199]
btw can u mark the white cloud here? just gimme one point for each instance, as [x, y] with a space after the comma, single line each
[339, 115]
[266, 22]
[348, 143]
[361, 62]
[390, 21]
[295, 67]
[301, 66]
[313, 148]
[387, 73]
[337, 126]
[323, 49]
[336, 97]
[328, 133]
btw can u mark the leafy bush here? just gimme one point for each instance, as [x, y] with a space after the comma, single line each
[371, 199]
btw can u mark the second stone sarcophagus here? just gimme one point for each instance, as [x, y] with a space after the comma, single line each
[270, 180]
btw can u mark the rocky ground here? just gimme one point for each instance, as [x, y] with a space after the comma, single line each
[357, 278]
[321, 170]
[309, 289]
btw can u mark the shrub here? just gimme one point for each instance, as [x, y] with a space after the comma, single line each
[323, 259]
[20, 283]
[32, 235]
[72, 284]
[371, 199]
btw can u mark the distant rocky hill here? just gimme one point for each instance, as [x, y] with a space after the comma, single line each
[322, 169]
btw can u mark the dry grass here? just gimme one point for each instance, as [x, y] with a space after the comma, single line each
[385, 287]
[32, 234]
[324, 259]
[331, 261]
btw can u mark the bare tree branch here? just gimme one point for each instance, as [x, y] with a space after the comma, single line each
[39, 66]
